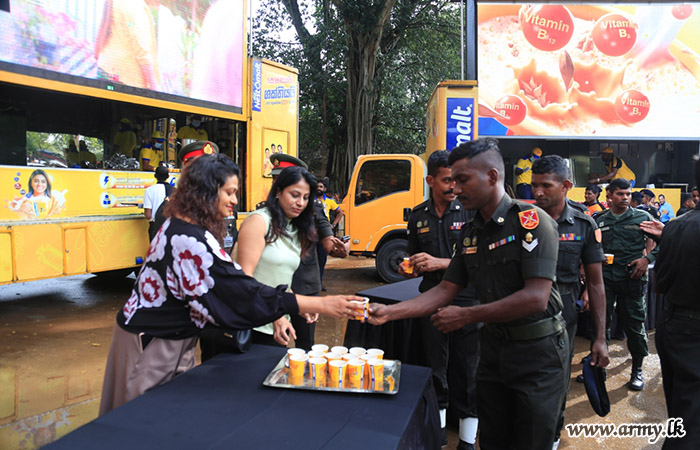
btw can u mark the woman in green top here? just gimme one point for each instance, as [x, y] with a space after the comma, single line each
[272, 240]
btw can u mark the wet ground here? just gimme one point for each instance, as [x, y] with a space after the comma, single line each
[55, 334]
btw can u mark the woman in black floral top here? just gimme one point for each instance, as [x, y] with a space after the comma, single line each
[189, 282]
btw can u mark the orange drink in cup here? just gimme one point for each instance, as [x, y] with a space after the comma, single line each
[357, 351]
[323, 348]
[361, 309]
[376, 371]
[336, 370]
[297, 364]
[330, 356]
[376, 352]
[317, 369]
[293, 351]
[339, 349]
[356, 372]
[407, 266]
[609, 258]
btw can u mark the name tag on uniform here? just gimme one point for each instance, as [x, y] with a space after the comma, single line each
[469, 250]
[228, 241]
[424, 230]
[604, 229]
[570, 237]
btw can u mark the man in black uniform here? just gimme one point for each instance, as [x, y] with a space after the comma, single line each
[433, 232]
[678, 336]
[509, 253]
[580, 242]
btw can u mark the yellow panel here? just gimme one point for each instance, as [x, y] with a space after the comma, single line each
[75, 251]
[38, 251]
[116, 244]
[6, 257]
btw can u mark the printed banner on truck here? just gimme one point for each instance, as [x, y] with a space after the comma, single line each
[577, 70]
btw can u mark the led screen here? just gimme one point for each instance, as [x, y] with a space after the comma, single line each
[627, 71]
[178, 50]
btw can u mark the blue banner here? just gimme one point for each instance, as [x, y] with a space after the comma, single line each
[460, 121]
[257, 84]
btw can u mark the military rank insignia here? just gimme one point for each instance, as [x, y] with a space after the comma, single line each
[598, 235]
[570, 237]
[529, 219]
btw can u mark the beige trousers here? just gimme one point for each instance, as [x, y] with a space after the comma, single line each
[130, 371]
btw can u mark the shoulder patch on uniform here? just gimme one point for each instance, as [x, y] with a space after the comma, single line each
[529, 219]
[598, 235]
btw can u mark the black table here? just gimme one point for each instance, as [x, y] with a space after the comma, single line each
[222, 404]
[400, 339]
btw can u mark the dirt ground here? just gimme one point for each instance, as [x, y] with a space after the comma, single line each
[55, 334]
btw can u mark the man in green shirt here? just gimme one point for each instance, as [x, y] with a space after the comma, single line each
[508, 252]
[626, 278]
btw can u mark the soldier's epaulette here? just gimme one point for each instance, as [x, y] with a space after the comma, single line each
[260, 205]
[577, 206]
[420, 206]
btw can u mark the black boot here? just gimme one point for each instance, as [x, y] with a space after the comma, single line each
[636, 381]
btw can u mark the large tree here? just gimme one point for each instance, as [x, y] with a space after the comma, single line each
[366, 71]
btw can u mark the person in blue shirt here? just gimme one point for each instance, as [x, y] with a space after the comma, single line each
[666, 210]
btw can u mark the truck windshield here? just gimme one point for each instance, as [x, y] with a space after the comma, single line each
[381, 178]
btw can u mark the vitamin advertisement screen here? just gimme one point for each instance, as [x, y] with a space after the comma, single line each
[177, 50]
[589, 71]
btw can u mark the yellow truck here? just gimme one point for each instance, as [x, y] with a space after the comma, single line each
[90, 219]
[384, 189]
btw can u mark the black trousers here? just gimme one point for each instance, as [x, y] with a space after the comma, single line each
[569, 295]
[453, 359]
[520, 387]
[678, 345]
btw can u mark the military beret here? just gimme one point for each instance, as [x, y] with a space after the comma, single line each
[197, 148]
[594, 381]
[281, 161]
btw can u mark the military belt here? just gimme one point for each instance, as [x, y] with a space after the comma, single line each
[535, 330]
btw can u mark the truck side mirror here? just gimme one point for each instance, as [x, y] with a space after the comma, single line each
[406, 214]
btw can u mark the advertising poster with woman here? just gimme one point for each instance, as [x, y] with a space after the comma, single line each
[38, 199]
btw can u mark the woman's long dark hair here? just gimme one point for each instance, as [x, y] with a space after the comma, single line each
[305, 222]
[30, 192]
[197, 195]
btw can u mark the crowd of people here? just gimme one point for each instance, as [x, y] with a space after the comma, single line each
[502, 279]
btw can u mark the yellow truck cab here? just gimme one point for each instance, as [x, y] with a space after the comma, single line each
[384, 188]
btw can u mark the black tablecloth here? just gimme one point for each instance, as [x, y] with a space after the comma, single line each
[400, 339]
[222, 404]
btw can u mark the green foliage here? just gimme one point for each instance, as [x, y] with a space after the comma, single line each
[419, 47]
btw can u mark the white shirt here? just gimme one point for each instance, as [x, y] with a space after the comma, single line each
[153, 197]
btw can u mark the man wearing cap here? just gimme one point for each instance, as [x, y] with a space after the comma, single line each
[523, 174]
[124, 139]
[615, 167]
[579, 244]
[193, 131]
[150, 155]
[647, 204]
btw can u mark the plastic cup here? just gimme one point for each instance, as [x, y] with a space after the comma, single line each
[316, 354]
[317, 368]
[296, 380]
[349, 357]
[339, 349]
[330, 356]
[376, 371]
[337, 369]
[297, 364]
[407, 266]
[357, 351]
[293, 351]
[609, 258]
[376, 352]
[356, 373]
[320, 348]
[361, 309]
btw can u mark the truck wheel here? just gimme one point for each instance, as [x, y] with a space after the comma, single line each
[388, 259]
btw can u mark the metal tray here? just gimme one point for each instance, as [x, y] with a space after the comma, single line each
[279, 378]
